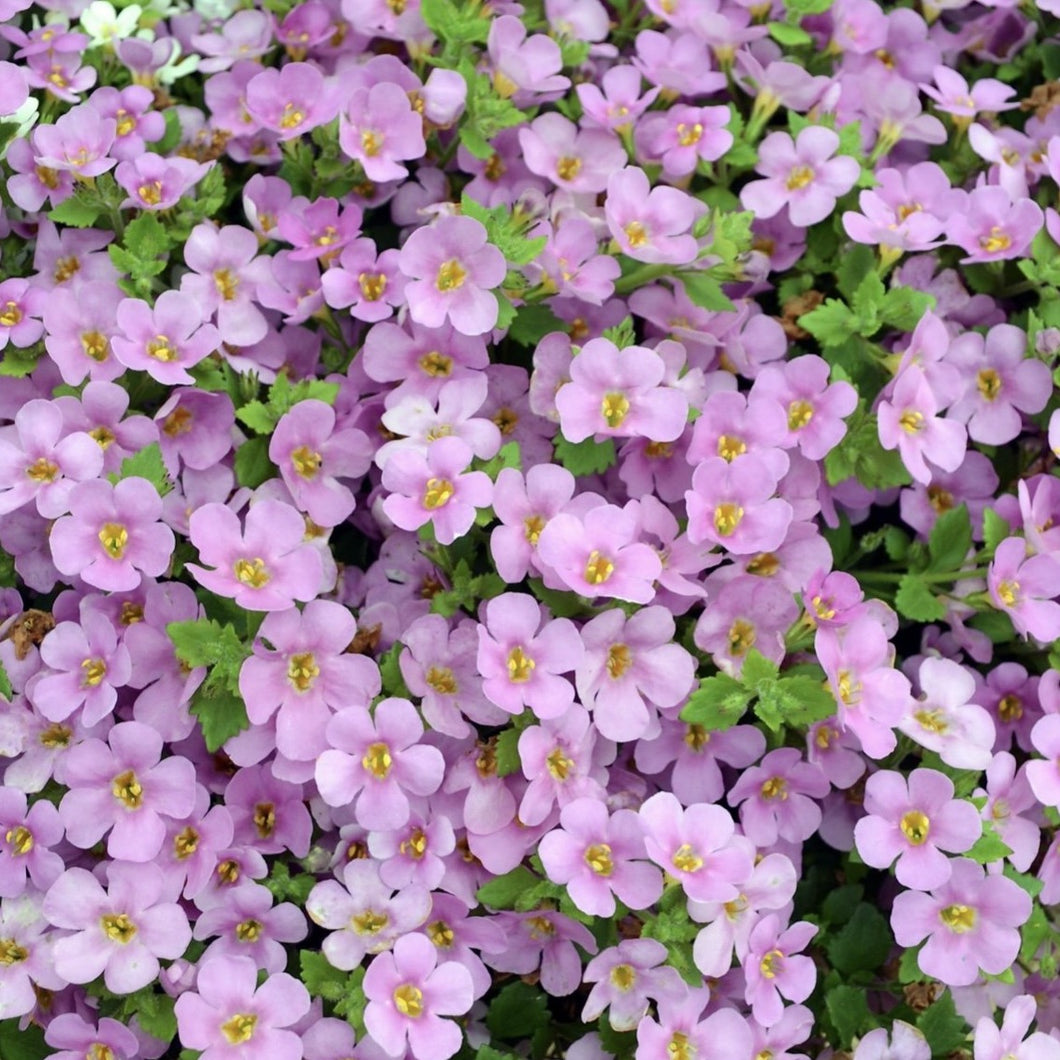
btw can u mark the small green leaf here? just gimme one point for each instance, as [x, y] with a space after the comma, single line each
[6, 692]
[28, 1044]
[916, 601]
[717, 704]
[848, 1008]
[863, 943]
[76, 212]
[866, 303]
[587, 457]
[995, 529]
[321, 978]
[831, 323]
[1034, 933]
[507, 750]
[221, 713]
[146, 464]
[855, 264]
[532, 323]
[989, 846]
[950, 540]
[904, 307]
[17, 363]
[788, 35]
[705, 291]
[517, 1012]
[258, 417]
[945, 1029]
[622, 334]
[502, 891]
[253, 466]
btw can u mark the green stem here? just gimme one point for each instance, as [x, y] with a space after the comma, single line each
[639, 277]
[933, 577]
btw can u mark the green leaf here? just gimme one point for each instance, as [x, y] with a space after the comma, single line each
[532, 323]
[1034, 933]
[730, 231]
[146, 464]
[995, 529]
[705, 291]
[839, 905]
[859, 454]
[863, 943]
[831, 323]
[517, 1012]
[757, 670]
[909, 966]
[989, 846]
[1031, 884]
[866, 303]
[916, 601]
[801, 700]
[6, 691]
[854, 265]
[788, 35]
[508, 760]
[502, 891]
[946, 1031]
[145, 237]
[587, 457]
[258, 417]
[287, 888]
[950, 540]
[253, 466]
[76, 212]
[321, 978]
[222, 714]
[390, 672]
[25, 1044]
[717, 704]
[17, 363]
[848, 1008]
[154, 1011]
[204, 642]
[904, 307]
[622, 334]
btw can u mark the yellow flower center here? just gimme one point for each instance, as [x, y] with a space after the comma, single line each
[540, 928]
[94, 672]
[127, 790]
[687, 135]
[291, 116]
[372, 285]
[988, 383]
[568, 167]
[495, 168]
[185, 843]
[598, 858]
[686, 859]
[911, 421]
[226, 283]
[1009, 591]
[11, 952]
[10, 315]
[996, 241]
[126, 122]
[696, 738]
[56, 735]
[118, 928]
[437, 492]
[849, 689]
[408, 1000]
[1010, 708]
[742, 637]
[730, 447]
[178, 422]
[623, 976]
[240, 1028]
[520, 666]
[775, 788]
[371, 142]
[441, 934]
[248, 930]
[42, 470]
[95, 345]
[619, 660]
[636, 234]
[20, 840]
[162, 349]
[614, 408]
[559, 765]
[960, 919]
[765, 565]
[799, 414]
[252, 572]
[415, 846]
[915, 826]
[114, 537]
[680, 1047]
[369, 922]
[150, 193]
[104, 437]
[435, 364]
[442, 680]
[302, 671]
[265, 819]
[451, 276]
[932, 720]
[771, 964]
[941, 500]
[377, 760]
[659, 450]
[799, 177]
[598, 568]
[727, 518]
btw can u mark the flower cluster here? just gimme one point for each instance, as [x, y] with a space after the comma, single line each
[527, 529]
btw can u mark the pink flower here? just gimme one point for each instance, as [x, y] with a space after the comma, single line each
[800, 174]
[452, 269]
[651, 224]
[380, 128]
[408, 992]
[971, 923]
[166, 340]
[1025, 587]
[773, 969]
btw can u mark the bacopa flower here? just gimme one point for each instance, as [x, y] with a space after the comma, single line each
[164, 341]
[229, 1015]
[409, 991]
[265, 566]
[971, 923]
[774, 968]
[452, 269]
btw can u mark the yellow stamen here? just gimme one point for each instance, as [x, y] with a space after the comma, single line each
[915, 827]
[118, 928]
[302, 670]
[114, 537]
[520, 666]
[377, 760]
[598, 858]
[240, 1028]
[408, 1000]
[598, 568]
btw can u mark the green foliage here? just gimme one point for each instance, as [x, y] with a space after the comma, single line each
[995, 529]
[217, 702]
[519, 1012]
[464, 23]
[789, 36]
[623, 334]
[860, 455]
[945, 1030]
[915, 600]
[287, 888]
[321, 978]
[863, 943]
[848, 1009]
[6, 691]
[486, 112]
[262, 416]
[252, 463]
[18, 363]
[704, 290]
[390, 671]
[532, 323]
[950, 540]
[467, 590]
[587, 457]
[142, 255]
[507, 751]
[718, 704]
[989, 846]
[502, 891]
[146, 464]
[25, 1044]
[505, 230]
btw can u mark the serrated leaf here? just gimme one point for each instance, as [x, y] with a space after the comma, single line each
[717, 704]
[507, 751]
[517, 1012]
[1034, 933]
[802, 701]
[831, 323]
[203, 642]
[950, 539]
[17, 363]
[904, 307]
[848, 1008]
[221, 713]
[757, 670]
[532, 323]
[252, 463]
[989, 846]
[587, 457]
[502, 891]
[320, 977]
[944, 1028]
[622, 334]
[866, 303]
[916, 601]
[147, 464]
[76, 212]
[995, 529]
[909, 966]
[258, 417]
[145, 237]
[705, 291]
[863, 943]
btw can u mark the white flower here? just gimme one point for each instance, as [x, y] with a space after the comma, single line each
[23, 120]
[104, 25]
